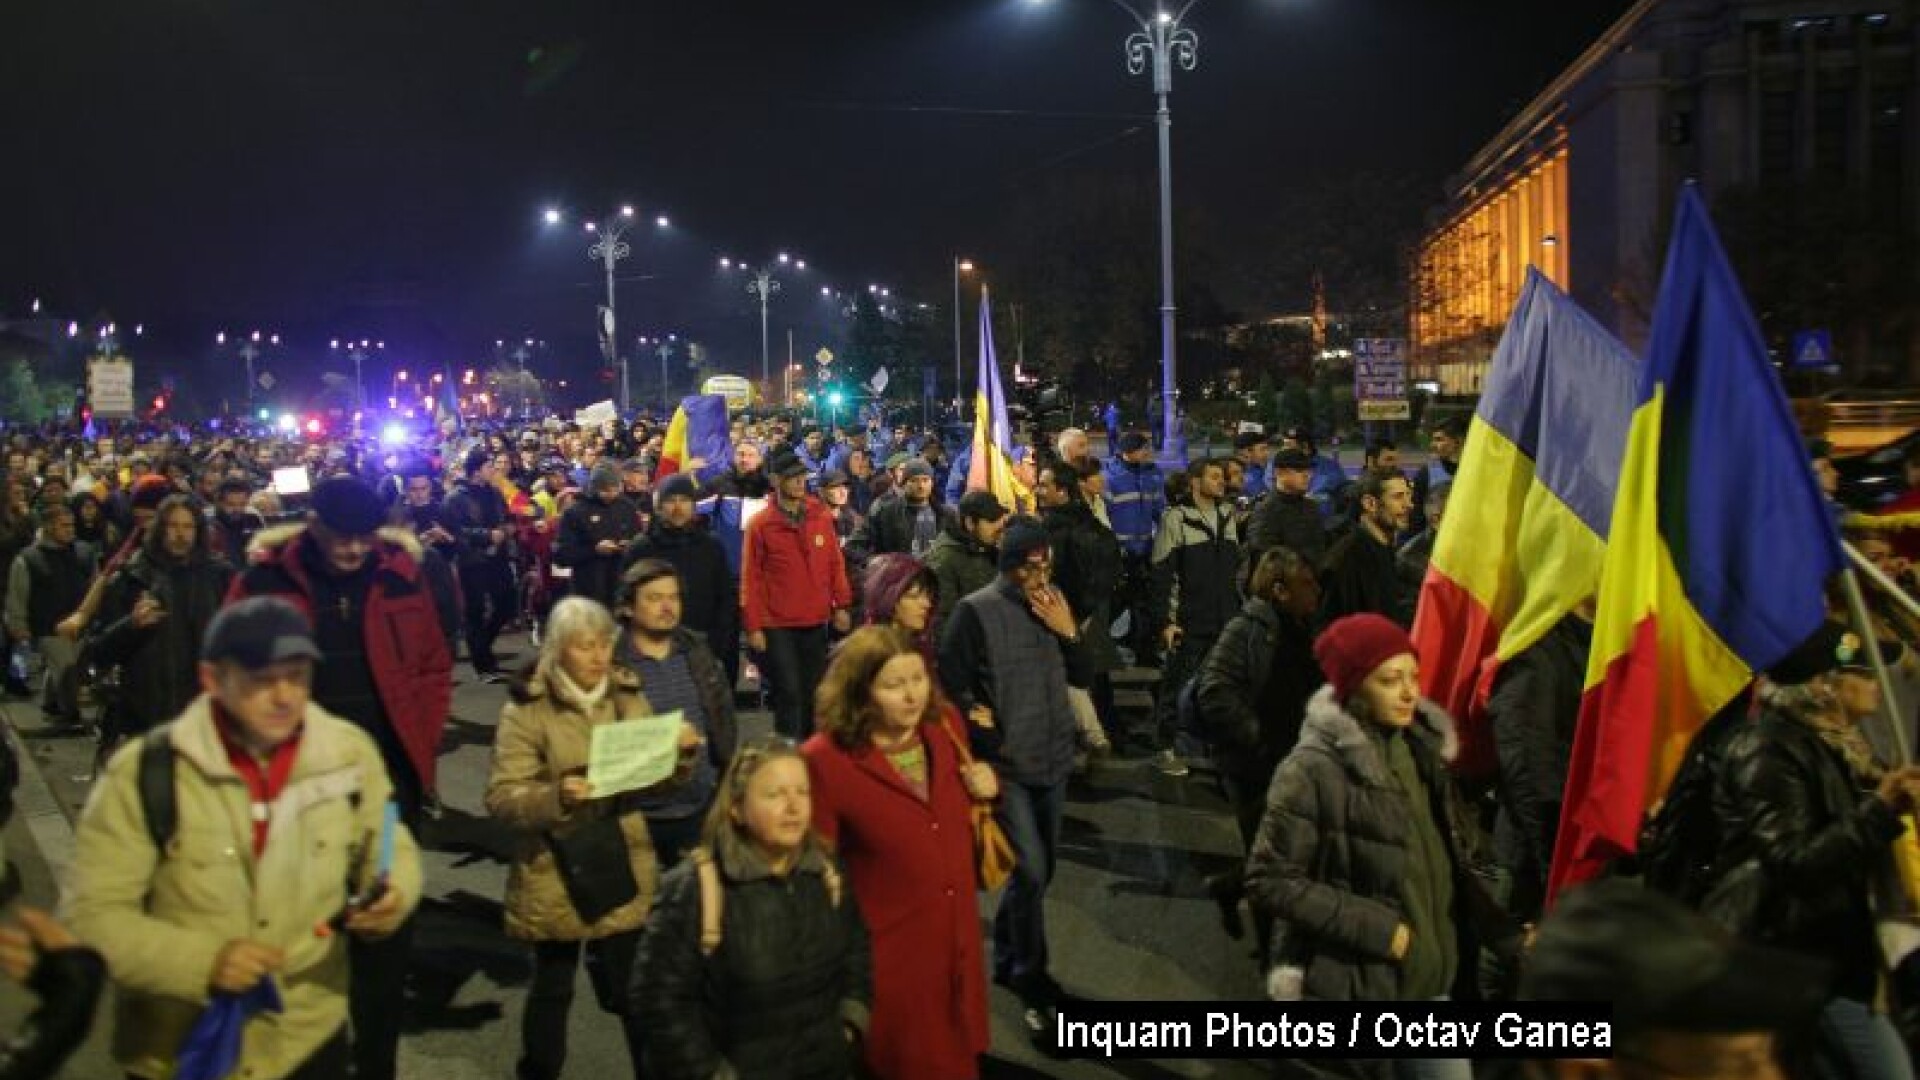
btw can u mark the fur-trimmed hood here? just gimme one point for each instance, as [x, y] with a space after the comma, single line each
[267, 542]
[1332, 730]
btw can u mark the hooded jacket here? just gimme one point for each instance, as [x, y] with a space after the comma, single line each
[405, 642]
[541, 738]
[1332, 850]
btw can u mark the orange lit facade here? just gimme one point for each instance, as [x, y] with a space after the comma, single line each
[1730, 94]
[1470, 270]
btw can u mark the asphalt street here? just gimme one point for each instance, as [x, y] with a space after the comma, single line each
[1129, 917]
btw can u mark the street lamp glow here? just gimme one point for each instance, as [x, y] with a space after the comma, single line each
[592, 228]
[726, 263]
[626, 211]
[220, 338]
[824, 291]
[334, 344]
[552, 216]
[1163, 18]
[799, 264]
[274, 340]
[782, 257]
[661, 222]
[966, 266]
[256, 335]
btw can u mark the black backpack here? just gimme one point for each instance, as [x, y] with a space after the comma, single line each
[1680, 843]
[158, 803]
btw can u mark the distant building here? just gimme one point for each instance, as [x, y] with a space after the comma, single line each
[1581, 183]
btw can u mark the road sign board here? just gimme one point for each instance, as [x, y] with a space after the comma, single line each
[110, 388]
[1380, 378]
[1813, 351]
[266, 380]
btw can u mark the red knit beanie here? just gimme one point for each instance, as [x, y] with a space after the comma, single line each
[1351, 648]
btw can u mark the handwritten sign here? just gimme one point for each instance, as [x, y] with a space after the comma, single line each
[1380, 378]
[633, 754]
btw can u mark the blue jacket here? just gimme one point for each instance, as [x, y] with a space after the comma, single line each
[1136, 499]
[1256, 481]
[1328, 478]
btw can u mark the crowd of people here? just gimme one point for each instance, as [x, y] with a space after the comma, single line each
[270, 666]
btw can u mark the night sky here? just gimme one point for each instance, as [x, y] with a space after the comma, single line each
[321, 166]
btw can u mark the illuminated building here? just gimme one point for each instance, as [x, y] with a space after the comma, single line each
[1730, 93]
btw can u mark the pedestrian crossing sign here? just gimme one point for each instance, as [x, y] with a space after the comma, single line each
[1813, 351]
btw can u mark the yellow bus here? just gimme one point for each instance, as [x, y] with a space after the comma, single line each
[737, 390]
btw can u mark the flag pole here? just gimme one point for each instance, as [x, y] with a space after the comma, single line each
[1857, 605]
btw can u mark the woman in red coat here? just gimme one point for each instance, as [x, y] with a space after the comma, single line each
[889, 792]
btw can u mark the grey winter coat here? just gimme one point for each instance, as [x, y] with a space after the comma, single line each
[1328, 860]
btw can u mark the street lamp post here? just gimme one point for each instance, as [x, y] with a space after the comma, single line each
[761, 284]
[608, 248]
[960, 266]
[1162, 43]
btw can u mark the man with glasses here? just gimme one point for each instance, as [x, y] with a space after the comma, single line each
[1006, 658]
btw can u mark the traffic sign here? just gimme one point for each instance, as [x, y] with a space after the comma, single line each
[266, 380]
[1813, 351]
[1380, 378]
[824, 356]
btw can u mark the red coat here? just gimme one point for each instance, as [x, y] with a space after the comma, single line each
[791, 575]
[406, 646]
[910, 863]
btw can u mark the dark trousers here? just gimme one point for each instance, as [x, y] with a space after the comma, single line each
[1248, 797]
[1031, 817]
[1136, 585]
[331, 1062]
[796, 660]
[1182, 665]
[376, 1000]
[487, 588]
[543, 1026]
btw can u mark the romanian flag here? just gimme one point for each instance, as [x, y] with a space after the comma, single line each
[991, 465]
[698, 431]
[1526, 525]
[1719, 555]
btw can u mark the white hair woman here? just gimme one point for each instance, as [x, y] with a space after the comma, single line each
[563, 889]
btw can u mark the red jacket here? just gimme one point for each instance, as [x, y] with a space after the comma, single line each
[406, 647]
[791, 575]
[911, 866]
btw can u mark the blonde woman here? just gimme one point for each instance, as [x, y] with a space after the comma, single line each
[764, 971]
[539, 786]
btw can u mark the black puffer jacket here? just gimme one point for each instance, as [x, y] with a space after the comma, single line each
[1332, 850]
[889, 527]
[1254, 687]
[1803, 838]
[157, 664]
[773, 1001]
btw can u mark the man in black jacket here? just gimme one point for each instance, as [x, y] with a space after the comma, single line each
[709, 593]
[906, 521]
[594, 532]
[1360, 574]
[1285, 517]
[1086, 566]
[476, 515]
[1533, 712]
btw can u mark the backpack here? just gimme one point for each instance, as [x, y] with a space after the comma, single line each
[713, 897]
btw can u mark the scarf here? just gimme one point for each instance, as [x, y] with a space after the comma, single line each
[568, 692]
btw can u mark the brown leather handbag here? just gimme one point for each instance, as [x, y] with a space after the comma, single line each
[993, 854]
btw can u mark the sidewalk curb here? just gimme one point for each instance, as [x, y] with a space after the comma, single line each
[35, 804]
